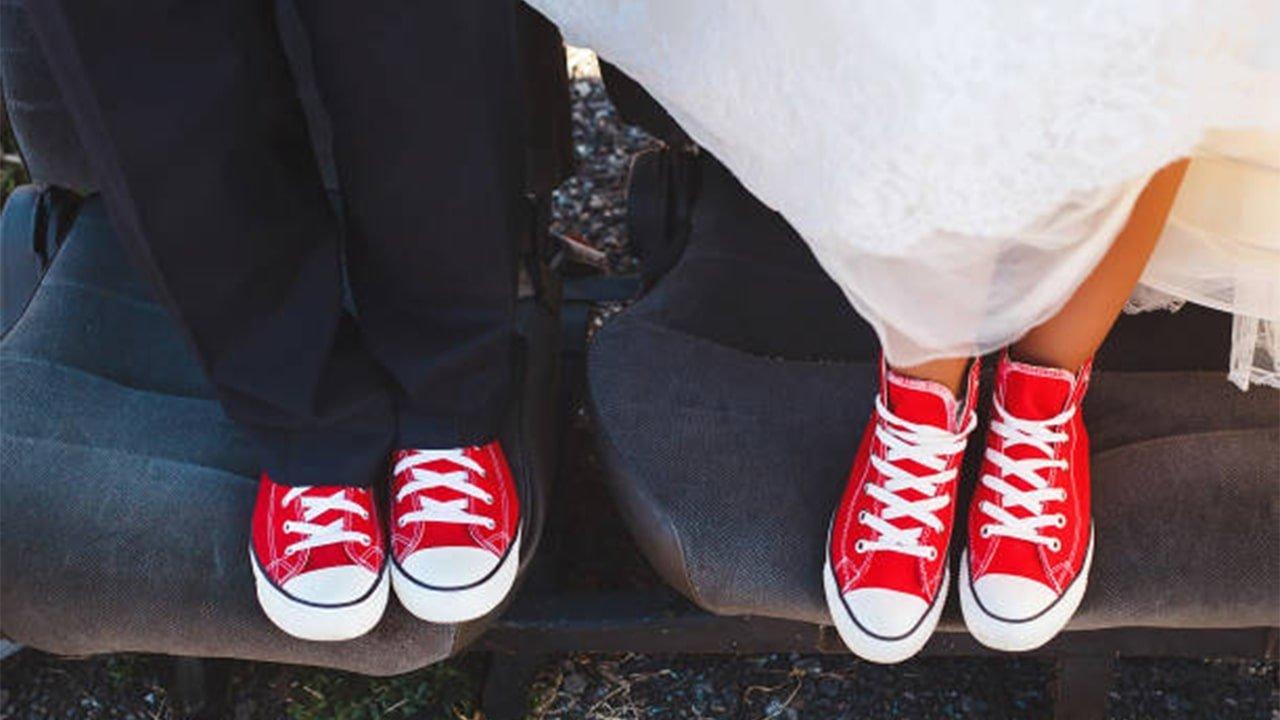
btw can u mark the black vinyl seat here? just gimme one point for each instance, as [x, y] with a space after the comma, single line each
[729, 401]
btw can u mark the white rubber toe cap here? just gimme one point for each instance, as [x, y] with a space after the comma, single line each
[332, 585]
[884, 612]
[455, 584]
[337, 603]
[450, 567]
[890, 626]
[1012, 597]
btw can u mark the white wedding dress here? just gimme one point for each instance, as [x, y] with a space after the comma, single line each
[958, 167]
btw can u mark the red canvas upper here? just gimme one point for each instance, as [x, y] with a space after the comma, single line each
[463, 498]
[281, 515]
[1037, 394]
[920, 402]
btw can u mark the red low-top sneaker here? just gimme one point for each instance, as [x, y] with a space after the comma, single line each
[885, 573]
[1030, 531]
[455, 531]
[318, 560]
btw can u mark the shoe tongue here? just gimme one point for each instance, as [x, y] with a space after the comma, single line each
[1033, 392]
[920, 401]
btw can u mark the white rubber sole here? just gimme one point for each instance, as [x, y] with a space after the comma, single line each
[455, 605]
[1020, 636]
[870, 647]
[318, 622]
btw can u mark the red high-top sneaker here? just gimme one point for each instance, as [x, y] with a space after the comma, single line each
[455, 531]
[1030, 531]
[886, 573]
[318, 560]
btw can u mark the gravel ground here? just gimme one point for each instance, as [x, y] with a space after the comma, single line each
[592, 204]
[623, 687]
[791, 687]
[631, 687]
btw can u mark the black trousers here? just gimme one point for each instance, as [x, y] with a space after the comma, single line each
[198, 140]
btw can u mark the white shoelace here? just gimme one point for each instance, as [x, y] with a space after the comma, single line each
[926, 445]
[1043, 435]
[447, 511]
[313, 506]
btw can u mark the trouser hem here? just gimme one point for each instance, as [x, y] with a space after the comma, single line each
[330, 457]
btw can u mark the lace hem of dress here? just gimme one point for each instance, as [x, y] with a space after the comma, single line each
[1255, 342]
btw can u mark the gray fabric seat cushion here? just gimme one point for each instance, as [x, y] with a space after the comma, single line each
[728, 436]
[126, 492]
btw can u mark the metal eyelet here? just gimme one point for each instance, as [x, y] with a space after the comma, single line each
[1060, 520]
[1056, 545]
[400, 522]
[365, 542]
[860, 547]
[491, 525]
[933, 553]
[984, 531]
[862, 516]
[288, 526]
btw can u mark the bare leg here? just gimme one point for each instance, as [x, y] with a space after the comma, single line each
[1071, 337]
[945, 371]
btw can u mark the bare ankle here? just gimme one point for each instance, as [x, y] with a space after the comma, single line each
[948, 372]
